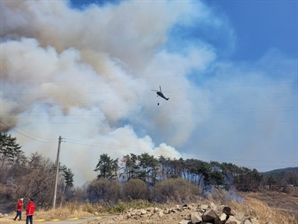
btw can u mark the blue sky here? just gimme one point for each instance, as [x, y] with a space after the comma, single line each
[258, 25]
[85, 70]
[261, 25]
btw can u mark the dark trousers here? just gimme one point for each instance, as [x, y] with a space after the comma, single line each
[29, 219]
[19, 214]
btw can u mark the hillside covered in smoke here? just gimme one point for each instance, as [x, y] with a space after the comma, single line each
[87, 75]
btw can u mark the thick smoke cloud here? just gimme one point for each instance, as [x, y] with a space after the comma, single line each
[87, 75]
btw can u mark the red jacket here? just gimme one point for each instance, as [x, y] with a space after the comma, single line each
[30, 208]
[20, 205]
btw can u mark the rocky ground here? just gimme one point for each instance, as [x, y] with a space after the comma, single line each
[181, 214]
[219, 214]
[265, 205]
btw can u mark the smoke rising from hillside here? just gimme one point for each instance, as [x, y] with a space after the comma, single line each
[88, 75]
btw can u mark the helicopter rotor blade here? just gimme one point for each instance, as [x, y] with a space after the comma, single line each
[160, 88]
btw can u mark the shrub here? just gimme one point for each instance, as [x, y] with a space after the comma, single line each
[117, 208]
[176, 190]
[103, 189]
[135, 189]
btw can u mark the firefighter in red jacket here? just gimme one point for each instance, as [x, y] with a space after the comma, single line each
[30, 211]
[19, 209]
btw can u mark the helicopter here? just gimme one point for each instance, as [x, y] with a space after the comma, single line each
[160, 94]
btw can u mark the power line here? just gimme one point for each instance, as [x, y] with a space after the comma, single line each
[140, 78]
[72, 141]
[14, 129]
[137, 110]
[137, 149]
[169, 90]
[173, 98]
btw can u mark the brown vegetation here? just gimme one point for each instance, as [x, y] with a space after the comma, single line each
[143, 181]
[286, 203]
[255, 205]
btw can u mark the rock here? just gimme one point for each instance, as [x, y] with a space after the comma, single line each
[213, 206]
[209, 216]
[203, 207]
[184, 222]
[190, 207]
[232, 220]
[143, 211]
[160, 214]
[195, 217]
[247, 221]
[187, 214]
[150, 209]
[222, 219]
[167, 211]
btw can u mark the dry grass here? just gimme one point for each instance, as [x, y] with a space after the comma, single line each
[255, 205]
[75, 210]
[275, 207]
[284, 201]
[262, 212]
[68, 211]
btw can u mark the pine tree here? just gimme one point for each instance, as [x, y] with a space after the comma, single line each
[106, 167]
[9, 149]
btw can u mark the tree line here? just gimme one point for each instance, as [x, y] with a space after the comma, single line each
[152, 170]
[132, 177]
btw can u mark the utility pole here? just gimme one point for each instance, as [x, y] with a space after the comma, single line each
[57, 172]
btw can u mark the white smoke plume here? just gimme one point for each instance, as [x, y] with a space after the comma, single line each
[87, 76]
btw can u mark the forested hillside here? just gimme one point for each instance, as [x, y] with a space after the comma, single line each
[130, 177]
[281, 174]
